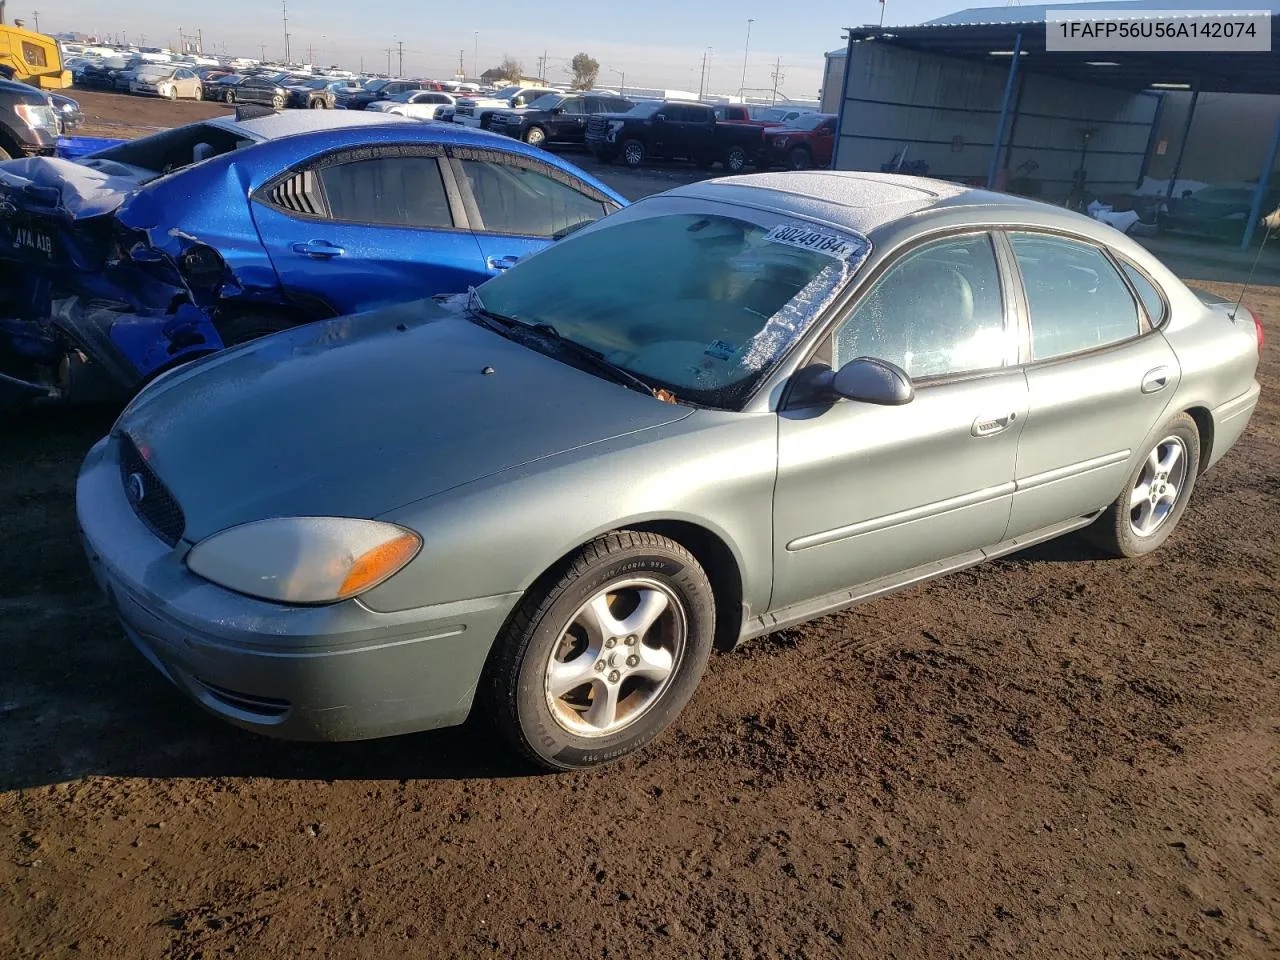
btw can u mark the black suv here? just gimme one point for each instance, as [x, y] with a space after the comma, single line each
[28, 121]
[556, 117]
[655, 128]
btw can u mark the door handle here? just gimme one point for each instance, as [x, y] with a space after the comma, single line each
[501, 263]
[319, 249]
[1155, 380]
[990, 426]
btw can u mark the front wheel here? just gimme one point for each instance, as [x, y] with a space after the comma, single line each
[240, 329]
[633, 153]
[601, 656]
[278, 102]
[535, 137]
[229, 96]
[170, 93]
[1152, 503]
[319, 104]
[735, 161]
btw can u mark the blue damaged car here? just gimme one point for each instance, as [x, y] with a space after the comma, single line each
[125, 263]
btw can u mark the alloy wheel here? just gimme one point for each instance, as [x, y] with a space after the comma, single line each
[616, 657]
[1159, 486]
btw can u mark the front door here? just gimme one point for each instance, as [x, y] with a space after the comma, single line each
[361, 231]
[1100, 380]
[866, 491]
[570, 124]
[516, 206]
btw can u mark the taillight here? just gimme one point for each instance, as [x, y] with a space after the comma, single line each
[1257, 328]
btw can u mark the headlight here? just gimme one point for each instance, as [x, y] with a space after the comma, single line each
[304, 560]
[36, 117]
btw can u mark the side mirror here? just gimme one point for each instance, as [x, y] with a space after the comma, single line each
[869, 380]
[518, 102]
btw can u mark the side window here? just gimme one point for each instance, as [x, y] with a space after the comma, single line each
[524, 202]
[937, 311]
[699, 114]
[389, 191]
[573, 107]
[1147, 293]
[34, 55]
[1077, 299]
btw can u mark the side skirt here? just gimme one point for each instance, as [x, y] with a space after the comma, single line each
[843, 599]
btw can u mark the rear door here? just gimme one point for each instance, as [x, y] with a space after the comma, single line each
[518, 205]
[699, 134]
[363, 228]
[570, 124]
[1099, 380]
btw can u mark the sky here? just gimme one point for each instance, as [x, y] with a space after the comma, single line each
[657, 43]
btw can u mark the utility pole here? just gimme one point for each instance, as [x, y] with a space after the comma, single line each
[462, 69]
[745, 51]
[475, 58]
[401, 43]
[388, 52]
[778, 77]
[262, 51]
[284, 13]
[200, 40]
[35, 15]
[705, 78]
[310, 58]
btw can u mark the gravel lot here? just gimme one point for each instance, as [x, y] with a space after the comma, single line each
[1053, 755]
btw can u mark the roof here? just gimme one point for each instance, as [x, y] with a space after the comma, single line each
[290, 122]
[983, 41]
[848, 199]
[1035, 13]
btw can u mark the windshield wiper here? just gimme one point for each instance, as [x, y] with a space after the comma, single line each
[503, 324]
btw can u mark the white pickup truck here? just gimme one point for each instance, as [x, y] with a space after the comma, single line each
[477, 111]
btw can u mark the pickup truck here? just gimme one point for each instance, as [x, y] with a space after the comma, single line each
[674, 129]
[478, 111]
[805, 142]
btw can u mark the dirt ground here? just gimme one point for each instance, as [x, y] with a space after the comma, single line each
[1053, 755]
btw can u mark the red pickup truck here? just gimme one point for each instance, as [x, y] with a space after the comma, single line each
[805, 142]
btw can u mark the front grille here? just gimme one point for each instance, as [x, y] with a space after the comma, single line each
[466, 111]
[150, 499]
[597, 128]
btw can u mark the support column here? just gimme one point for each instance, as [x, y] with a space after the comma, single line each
[1182, 145]
[1005, 107]
[1260, 193]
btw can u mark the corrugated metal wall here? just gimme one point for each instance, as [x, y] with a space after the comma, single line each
[944, 111]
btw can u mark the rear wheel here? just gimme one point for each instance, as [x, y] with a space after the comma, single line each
[633, 153]
[602, 656]
[801, 158]
[1152, 503]
[535, 137]
[278, 102]
[319, 104]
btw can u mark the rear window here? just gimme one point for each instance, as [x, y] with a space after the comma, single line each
[34, 55]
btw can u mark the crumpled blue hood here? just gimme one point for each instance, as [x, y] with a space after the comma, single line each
[72, 189]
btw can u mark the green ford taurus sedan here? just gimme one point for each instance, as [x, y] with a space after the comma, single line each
[724, 410]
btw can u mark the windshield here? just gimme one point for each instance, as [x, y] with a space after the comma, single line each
[150, 73]
[506, 93]
[807, 121]
[376, 85]
[735, 294]
[772, 114]
[316, 84]
[645, 109]
[548, 101]
[405, 97]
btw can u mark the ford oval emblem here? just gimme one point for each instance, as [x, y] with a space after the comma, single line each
[137, 487]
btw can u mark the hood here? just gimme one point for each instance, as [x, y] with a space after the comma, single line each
[51, 185]
[360, 415]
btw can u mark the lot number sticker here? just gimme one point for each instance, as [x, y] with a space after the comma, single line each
[805, 238]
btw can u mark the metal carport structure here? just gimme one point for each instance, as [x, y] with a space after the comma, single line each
[1023, 44]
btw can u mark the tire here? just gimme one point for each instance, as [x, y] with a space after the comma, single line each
[617, 571]
[800, 158]
[318, 104]
[229, 96]
[535, 137]
[277, 102]
[171, 93]
[633, 153]
[735, 160]
[242, 328]
[1133, 527]
[5, 154]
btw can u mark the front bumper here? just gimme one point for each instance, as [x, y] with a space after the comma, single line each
[337, 672]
